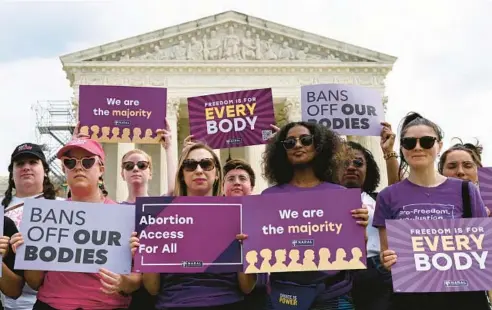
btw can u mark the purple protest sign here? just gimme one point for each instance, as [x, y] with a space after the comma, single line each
[122, 114]
[188, 234]
[347, 109]
[485, 181]
[234, 119]
[303, 231]
[441, 255]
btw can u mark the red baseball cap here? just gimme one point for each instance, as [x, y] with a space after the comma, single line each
[89, 145]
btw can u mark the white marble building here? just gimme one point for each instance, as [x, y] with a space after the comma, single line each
[225, 52]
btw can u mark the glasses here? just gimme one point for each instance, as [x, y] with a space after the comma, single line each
[206, 164]
[85, 162]
[426, 142]
[129, 165]
[290, 143]
[357, 163]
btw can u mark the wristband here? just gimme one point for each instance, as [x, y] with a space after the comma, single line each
[389, 155]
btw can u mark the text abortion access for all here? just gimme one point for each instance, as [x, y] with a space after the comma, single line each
[122, 113]
[232, 115]
[308, 228]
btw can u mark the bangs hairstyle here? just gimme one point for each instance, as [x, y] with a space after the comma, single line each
[180, 188]
[137, 151]
[329, 155]
[475, 151]
[415, 119]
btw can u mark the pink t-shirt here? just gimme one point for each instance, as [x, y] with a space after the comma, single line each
[73, 290]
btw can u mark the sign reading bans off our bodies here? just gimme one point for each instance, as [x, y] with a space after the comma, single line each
[346, 109]
[75, 236]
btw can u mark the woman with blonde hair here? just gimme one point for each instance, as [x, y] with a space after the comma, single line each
[199, 174]
[83, 164]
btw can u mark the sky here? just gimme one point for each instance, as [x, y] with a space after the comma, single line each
[443, 47]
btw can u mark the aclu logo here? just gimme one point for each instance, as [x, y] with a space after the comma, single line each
[122, 123]
[305, 242]
[234, 141]
[455, 283]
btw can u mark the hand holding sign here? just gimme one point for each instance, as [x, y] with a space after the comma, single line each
[16, 241]
[4, 246]
[361, 214]
[134, 243]
[110, 281]
[164, 136]
[388, 257]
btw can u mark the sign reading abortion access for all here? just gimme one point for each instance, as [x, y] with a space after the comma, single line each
[441, 255]
[234, 119]
[188, 234]
[305, 231]
[75, 236]
[122, 114]
[346, 109]
[485, 181]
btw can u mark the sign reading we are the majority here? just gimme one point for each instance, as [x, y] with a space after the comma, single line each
[188, 234]
[122, 114]
[233, 119]
[305, 231]
[449, 255]
[346, 109]
[75, 236]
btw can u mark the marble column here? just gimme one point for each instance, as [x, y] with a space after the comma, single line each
[114, 183]
[253, 156]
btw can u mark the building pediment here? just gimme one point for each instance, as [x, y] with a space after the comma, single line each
[229, 36]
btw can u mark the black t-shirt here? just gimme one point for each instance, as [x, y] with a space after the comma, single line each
[9, 229]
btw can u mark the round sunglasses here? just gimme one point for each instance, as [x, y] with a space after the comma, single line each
[86, 162]
[426, 142]
[141, 165]
[291, 142]
[206, 164]
[357, 163]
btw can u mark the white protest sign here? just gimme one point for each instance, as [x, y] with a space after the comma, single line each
[75, 236]
[347, 109]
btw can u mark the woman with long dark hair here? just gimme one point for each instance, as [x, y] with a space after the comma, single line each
[425, 190]
[28, 178]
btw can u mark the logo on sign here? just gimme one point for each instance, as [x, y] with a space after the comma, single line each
[455, 283]
[192, 264]
[122, 123]
[234, 141]
[305, 242]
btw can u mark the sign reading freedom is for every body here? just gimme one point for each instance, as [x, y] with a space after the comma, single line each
[304, 231]
[188, 234]
[119, 114]
[346, 109]
[233, 119]
[441, 255]
[75, 236]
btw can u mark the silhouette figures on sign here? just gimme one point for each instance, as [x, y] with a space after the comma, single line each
[112, 134]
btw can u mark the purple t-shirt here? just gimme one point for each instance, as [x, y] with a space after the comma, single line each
[406, 200]
[340, 282]
[198, 290]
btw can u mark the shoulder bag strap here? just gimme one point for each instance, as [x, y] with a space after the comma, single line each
[465, 194]
[20, 204]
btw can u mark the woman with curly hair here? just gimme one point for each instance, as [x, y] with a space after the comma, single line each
[305, 157]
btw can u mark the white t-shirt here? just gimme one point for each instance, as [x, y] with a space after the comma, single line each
[28, 298]
[373, 245]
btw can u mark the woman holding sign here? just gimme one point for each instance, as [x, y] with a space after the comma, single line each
[28, 178]
[304, 157]
[424, 192]
[199, 174]
[83, 164]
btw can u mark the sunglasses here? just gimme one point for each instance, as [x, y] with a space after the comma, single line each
[85, 162]
[290, 143]
[357, 163]
[129, 165]
[426, 142]
[206, 164]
